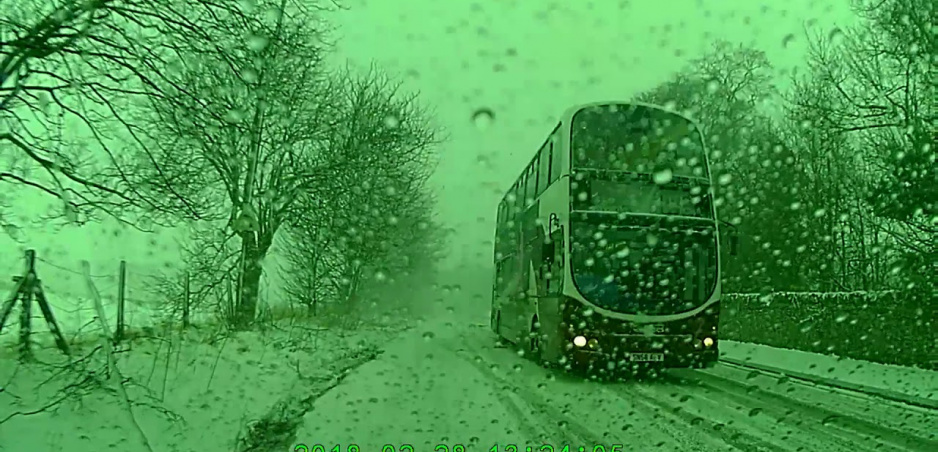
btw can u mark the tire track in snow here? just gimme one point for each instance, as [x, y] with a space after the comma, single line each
[635, 425]
[736, 438]
[823, 421]
[539, 416]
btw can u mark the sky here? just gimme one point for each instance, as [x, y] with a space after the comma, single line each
[526, 61]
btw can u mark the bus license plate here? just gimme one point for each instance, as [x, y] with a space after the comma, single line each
[646, 357]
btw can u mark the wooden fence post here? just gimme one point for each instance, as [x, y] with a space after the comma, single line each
[185, 304]
[26, 311]
[28, 287]
[121, 301]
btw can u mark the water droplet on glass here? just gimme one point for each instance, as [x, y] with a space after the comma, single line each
[71, 212]
[391, 121]
[12, 230]
[249, 75]
[483, 118]
[836, 36]
[713, 86]
[234, 116]
[664, 176]
[428, 335]
[788, 40]
[725, 179]
[257, 42]
[248, 6]
[44, 101]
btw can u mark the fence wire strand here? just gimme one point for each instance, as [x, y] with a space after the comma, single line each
[71, 305]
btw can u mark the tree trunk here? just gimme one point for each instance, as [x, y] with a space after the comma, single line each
[250, 283]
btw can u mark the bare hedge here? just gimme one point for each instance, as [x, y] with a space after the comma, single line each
[887, 327]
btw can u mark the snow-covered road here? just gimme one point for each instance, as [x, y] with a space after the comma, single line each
[447, 384]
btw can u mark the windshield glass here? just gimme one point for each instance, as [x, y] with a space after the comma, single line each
[653, 270]
[593, 192]
[635, 138]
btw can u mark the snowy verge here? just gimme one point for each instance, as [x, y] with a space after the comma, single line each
[915, 382]
[188, 390]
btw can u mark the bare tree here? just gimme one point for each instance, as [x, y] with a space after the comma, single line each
[58, 134]
[240, 117]
[883, 99]
[210, 258]
[373, 220]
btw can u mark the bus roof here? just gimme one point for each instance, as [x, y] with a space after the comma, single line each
[569, 112]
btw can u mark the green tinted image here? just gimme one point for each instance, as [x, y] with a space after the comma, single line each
[468, 226]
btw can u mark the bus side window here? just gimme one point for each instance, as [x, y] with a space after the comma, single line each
[522, 192]
[543, 169]
[531, 179]
[518, 191]
[538, 186]
[554, 160]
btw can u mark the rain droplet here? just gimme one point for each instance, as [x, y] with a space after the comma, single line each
[248, 6]
[44, 101]
[12, 230]
[257, 42]
[754, 411]
[234, 116]
[663, 177]
[391, 121]
[71, 213]
[725, 179]
[428, 335]
[788, 40]
[713, 86]
[836, 36]
[483, 118]
[249, 75]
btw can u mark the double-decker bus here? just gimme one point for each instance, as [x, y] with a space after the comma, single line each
[607, 250]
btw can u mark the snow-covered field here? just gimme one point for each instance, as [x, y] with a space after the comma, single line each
[188, 392]
[442, 382]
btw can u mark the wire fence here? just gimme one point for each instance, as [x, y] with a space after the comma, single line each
[72, 305]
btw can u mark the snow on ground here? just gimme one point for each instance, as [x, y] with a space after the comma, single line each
[443, 382]
[905, 380]
[193, 391]
[446, 384]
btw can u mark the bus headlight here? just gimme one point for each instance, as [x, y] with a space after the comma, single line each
[708, 342]
[579, 341]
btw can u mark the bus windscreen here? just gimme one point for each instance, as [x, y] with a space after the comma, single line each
[636, 138]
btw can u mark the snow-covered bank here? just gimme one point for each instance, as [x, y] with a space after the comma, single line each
[188, 392]
[906, 380]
